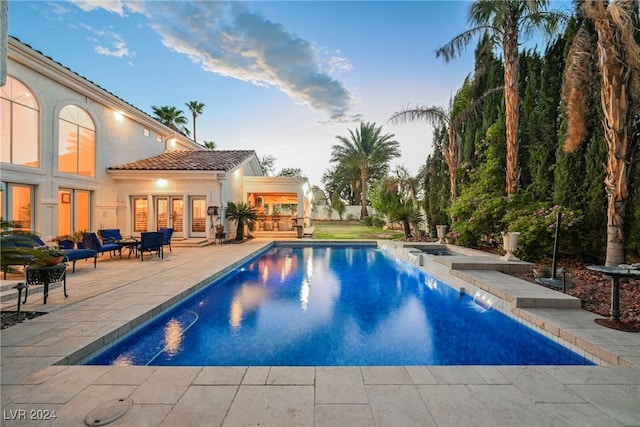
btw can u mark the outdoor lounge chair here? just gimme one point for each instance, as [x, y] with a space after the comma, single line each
[72, 255]
[92, 242]
[151, 241]
[168, 232]
[308, 232]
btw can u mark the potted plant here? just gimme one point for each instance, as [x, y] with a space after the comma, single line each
[47, 255]
[242, 214]
[219, 229]
[20, 248]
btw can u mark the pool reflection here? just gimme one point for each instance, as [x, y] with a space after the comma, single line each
[315, 306]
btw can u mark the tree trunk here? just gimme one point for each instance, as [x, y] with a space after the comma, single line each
[617, 121]
[194, 127]
[407, 228]
[452, 157]
[510, 50]
[363, 178]
[240, 231]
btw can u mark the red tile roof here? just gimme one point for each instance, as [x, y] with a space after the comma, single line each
[190, 160]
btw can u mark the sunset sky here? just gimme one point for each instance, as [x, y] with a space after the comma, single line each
[281, 78]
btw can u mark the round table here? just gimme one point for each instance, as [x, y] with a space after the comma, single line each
[615, 273]
[44, 276]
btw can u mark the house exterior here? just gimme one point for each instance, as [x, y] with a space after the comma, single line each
[74, 157]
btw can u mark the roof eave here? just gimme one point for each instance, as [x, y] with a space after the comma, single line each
[146, 174]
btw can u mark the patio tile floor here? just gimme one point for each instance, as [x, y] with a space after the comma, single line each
[108, 301]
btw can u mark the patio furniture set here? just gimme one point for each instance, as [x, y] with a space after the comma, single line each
[91, 246]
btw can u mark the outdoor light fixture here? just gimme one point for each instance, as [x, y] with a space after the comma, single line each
[119, 116]
[564, 272]
[162, 183]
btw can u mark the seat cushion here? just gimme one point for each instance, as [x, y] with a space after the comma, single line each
[107, 247]
[76, 254]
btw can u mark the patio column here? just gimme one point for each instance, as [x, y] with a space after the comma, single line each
[301, 209]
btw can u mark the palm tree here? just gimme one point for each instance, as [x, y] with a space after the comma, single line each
[242, 214]
[408, 186]
[618, 61]
[408, 215]
[196, 109]
[451, 119]
[209, 145]
[504, 20]
[366, 148]
[172, 117]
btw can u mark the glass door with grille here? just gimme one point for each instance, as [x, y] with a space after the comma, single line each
[170, 213]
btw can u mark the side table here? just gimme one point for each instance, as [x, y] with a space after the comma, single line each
[220, 238]
[45, 276]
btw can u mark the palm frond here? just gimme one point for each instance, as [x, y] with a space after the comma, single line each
[435, 116]
[455, 47]
[474, 106]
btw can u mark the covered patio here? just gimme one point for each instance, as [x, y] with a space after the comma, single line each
[282, 203]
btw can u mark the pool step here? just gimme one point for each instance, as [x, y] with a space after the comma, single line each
[189, 243]
[10, 295]
[519, 293]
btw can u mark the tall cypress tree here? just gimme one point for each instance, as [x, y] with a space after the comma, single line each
[542, 153]
[529, 130]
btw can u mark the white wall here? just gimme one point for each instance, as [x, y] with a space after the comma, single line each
[321, 212]
[117, 142]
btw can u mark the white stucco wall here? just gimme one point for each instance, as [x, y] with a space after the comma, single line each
[117, 142]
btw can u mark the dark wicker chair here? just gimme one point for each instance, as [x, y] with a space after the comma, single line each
[168, 232]
[151, 241]
[92, 242]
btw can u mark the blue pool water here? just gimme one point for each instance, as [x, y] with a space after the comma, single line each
[332, 305]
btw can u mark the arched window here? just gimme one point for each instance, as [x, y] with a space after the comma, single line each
[76, 142]
[20, 125]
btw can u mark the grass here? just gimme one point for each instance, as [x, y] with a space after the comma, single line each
[346, 230]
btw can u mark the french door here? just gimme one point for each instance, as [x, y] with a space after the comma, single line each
[170, 213]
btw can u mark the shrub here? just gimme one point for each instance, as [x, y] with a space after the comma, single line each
[478, 217]
[367, 220]
[536, 223]
[377, 221]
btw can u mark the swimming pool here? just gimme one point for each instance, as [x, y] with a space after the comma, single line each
[324, 305]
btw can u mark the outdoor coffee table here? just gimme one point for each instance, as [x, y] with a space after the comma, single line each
[131, 244]
[45, 276]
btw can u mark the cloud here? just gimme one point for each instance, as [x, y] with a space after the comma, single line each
[118, 47]
[114, 6]
[228, 39]
[120, 50]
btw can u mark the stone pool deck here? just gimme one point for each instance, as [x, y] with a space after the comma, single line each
[106, 302]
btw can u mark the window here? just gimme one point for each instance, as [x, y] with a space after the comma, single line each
[140, 214]
[198, 214]
[76, 142]
[74, 211]
[19, 125]
[17, 203]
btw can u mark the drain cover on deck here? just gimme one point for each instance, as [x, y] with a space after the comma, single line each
[108, 412]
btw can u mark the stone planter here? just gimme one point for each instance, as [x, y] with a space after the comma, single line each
[442, 232]
[510, 245]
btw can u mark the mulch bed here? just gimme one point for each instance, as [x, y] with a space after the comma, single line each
[9, 318]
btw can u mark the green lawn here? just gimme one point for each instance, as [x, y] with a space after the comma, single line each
[346, 231]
